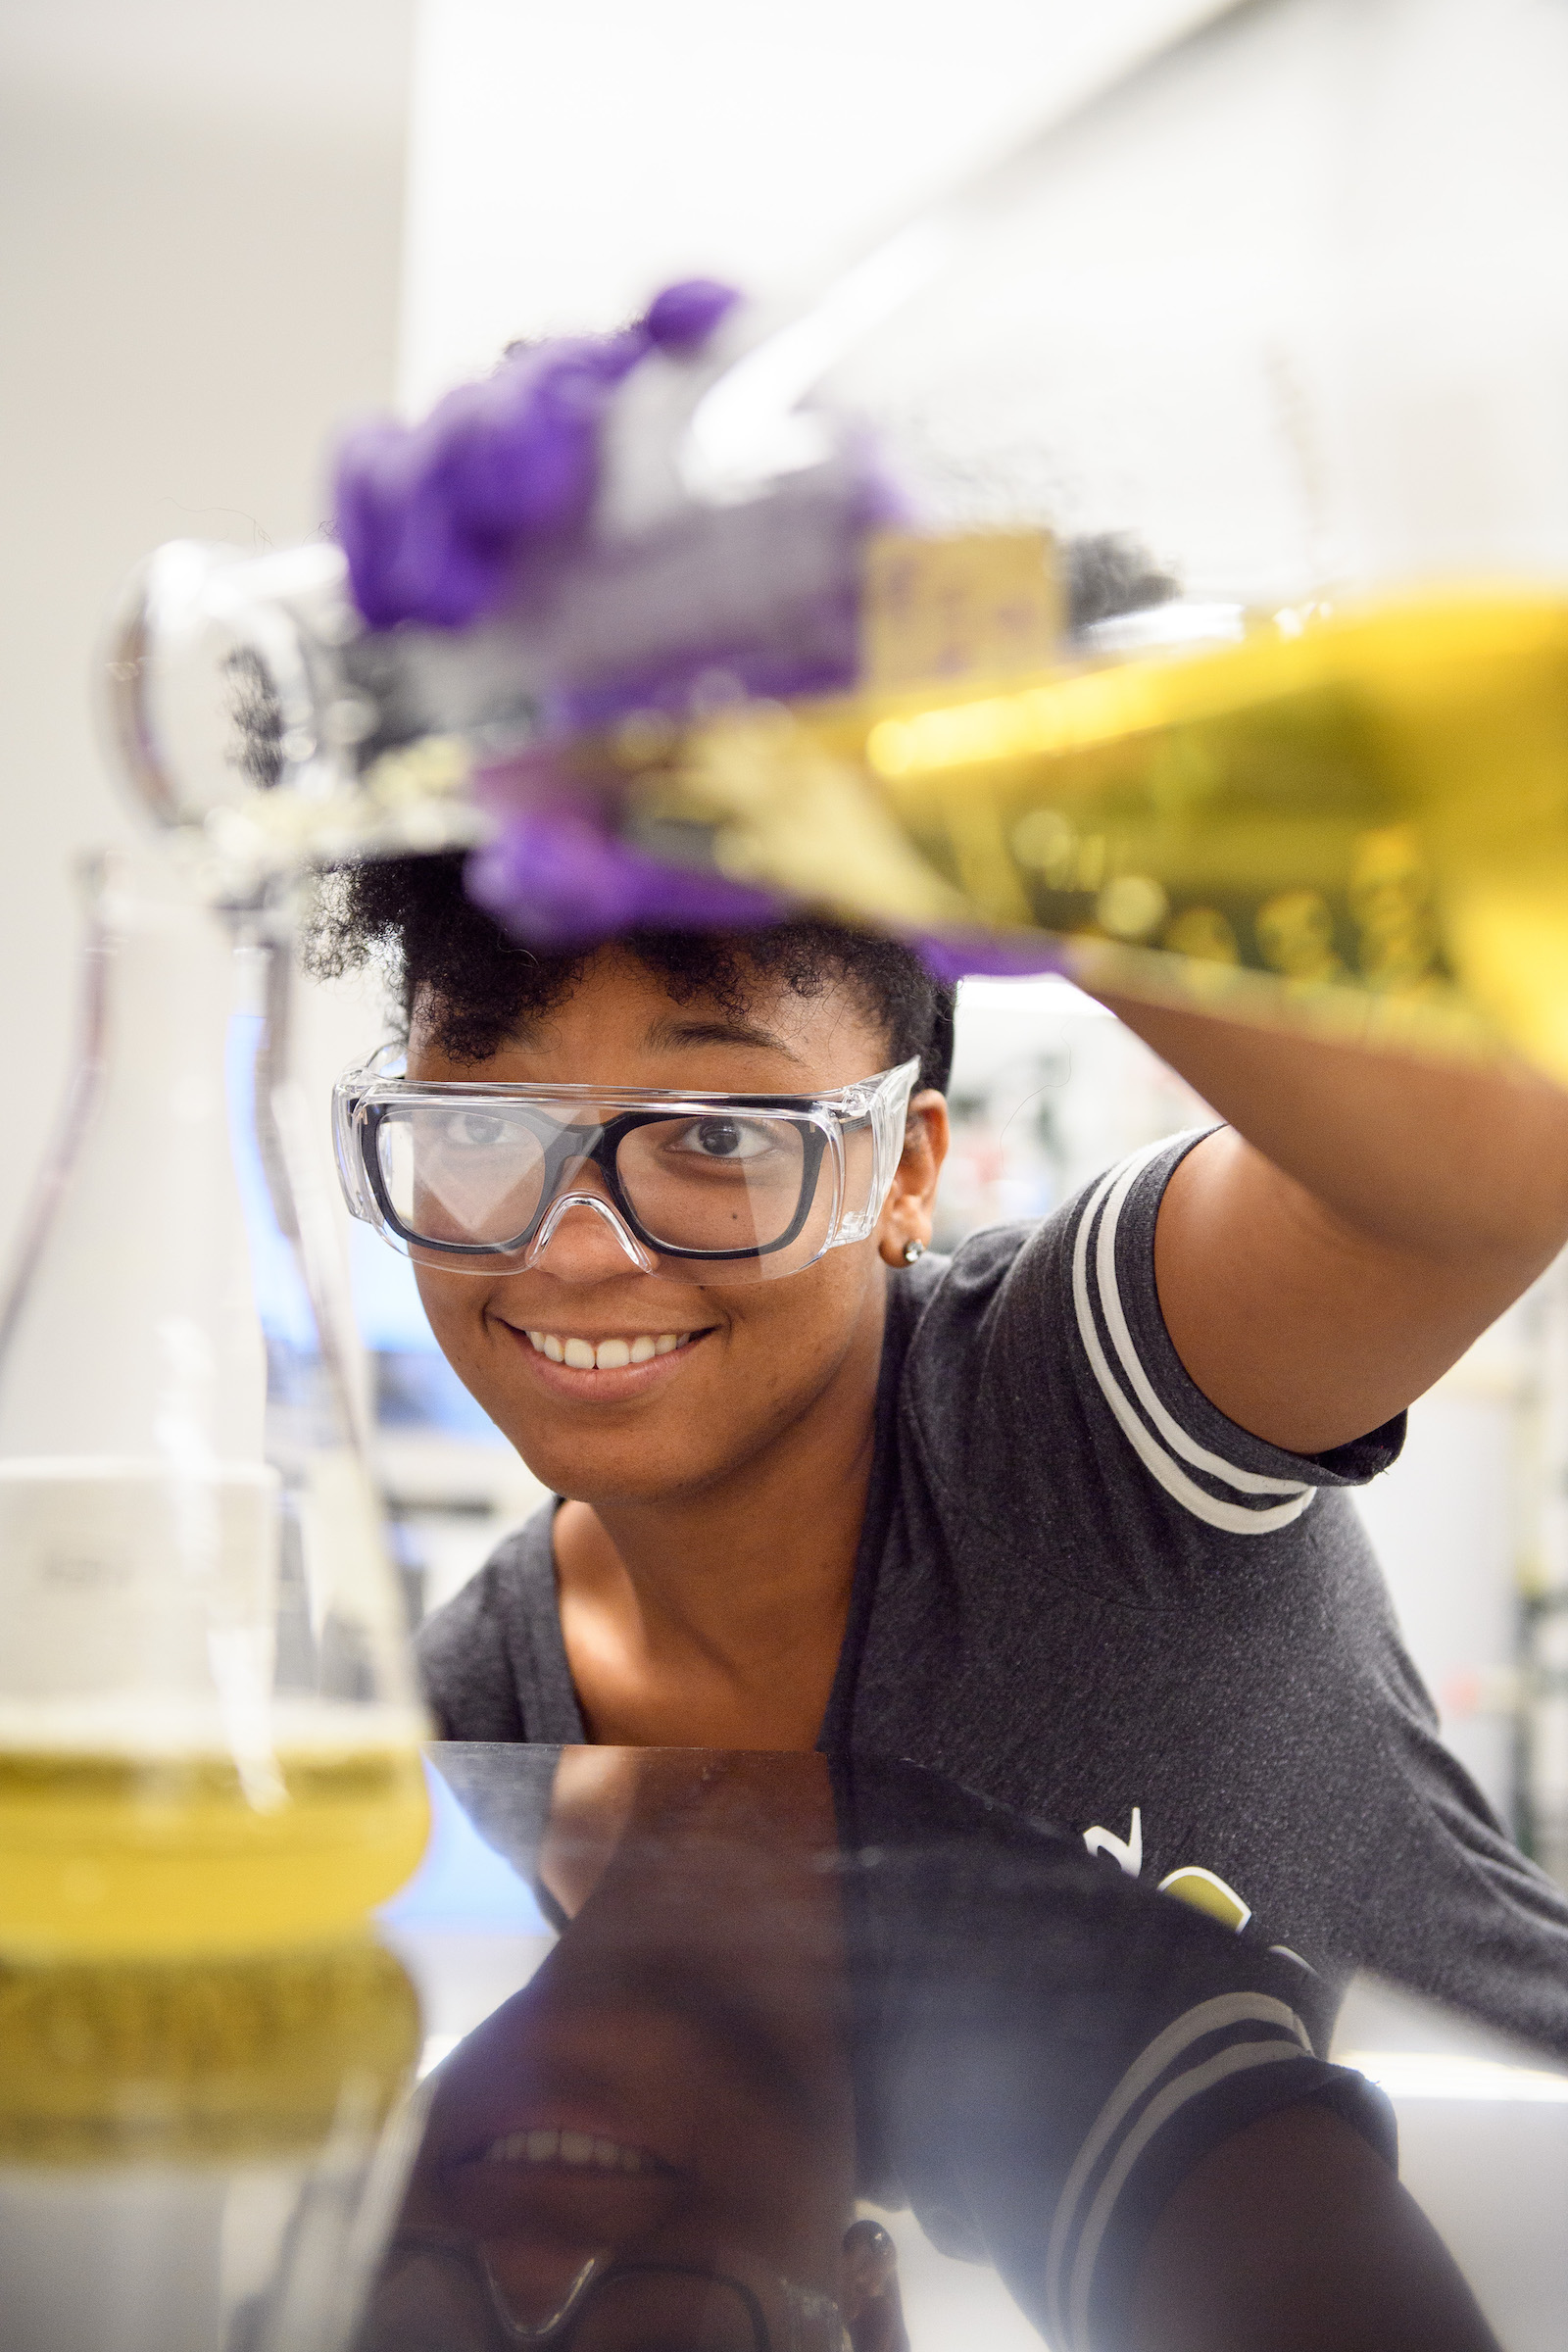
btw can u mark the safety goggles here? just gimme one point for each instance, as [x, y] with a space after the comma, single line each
[699, 1187]
[437, 2292]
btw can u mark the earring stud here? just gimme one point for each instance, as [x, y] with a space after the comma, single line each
[911, 1251]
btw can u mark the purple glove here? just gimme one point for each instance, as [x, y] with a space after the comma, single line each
[440, 520]
[435, 518]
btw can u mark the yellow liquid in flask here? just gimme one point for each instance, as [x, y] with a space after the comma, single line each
[1358, 822]
[1363, 825]
[143, 1851]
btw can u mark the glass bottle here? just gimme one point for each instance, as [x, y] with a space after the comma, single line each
[1223, 633]
[207, 1729]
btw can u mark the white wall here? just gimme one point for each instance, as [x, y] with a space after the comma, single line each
[201, 211]
[566, 160]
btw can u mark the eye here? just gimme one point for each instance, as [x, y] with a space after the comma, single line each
[724, 1139]
[473, 1130]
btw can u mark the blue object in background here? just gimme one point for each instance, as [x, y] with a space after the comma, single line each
[415, 1388]
[463, 1883]
[386, 1297]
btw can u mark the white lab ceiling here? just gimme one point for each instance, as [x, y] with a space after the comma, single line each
[566, 160]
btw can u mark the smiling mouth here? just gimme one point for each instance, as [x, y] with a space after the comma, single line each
[610, 1354]
[582, 2152]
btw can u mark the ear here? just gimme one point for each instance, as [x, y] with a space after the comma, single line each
[907, 1212]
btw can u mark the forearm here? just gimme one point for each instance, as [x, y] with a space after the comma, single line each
[1443, 1160]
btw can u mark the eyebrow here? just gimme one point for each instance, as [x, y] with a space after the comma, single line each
[720, 1032]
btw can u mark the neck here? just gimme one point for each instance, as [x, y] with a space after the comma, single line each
[715, 1618]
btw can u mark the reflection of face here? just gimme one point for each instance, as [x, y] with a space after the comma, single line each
[668, 2091]
[762, 1355]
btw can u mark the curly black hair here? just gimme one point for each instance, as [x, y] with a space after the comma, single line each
[412, 915]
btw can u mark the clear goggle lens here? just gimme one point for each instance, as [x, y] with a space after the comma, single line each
[722, 1181]
[725, 1192]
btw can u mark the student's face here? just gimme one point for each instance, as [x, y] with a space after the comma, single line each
[691, 2017]
[759, 1357]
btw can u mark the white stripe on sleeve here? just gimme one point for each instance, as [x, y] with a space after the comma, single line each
[1241, 2058]
[1226, 2012]
[1159, 1447]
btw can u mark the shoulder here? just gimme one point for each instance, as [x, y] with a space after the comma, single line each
[468, 1651]
[1227, 2062]
[1047, 1338]
[1217, 1471]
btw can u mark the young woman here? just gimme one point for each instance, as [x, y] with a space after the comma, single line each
[1063, 1517]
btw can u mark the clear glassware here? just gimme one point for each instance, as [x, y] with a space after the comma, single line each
[208, 1728]
[200, 2156]
[1223, 637]
[1265, 342]
[248, 706]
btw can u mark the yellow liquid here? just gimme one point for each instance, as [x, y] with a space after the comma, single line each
[164, 1854]
[116, 2061]
[1359, 823]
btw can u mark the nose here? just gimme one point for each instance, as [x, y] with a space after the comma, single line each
[587, 1241]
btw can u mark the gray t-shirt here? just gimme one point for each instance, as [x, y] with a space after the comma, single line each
[1085, 1593]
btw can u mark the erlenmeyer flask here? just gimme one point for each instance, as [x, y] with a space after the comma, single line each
[1282, 311]
[1279, 311]
[208, 1733]
[202, 2154]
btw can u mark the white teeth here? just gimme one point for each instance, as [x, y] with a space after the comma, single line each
[579, 2149]
[609, 1356]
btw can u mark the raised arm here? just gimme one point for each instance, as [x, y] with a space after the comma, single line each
[1326, 1256]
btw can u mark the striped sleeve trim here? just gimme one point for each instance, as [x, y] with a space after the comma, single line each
[1166, 1450]
[1232, 2035]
